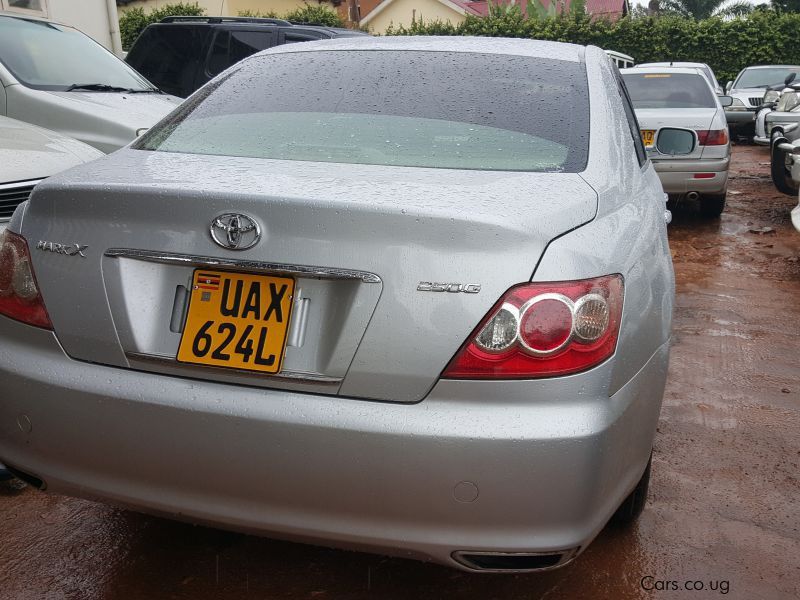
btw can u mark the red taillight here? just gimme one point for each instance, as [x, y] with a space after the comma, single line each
[712, 137]
[542, 330]
[19, 294]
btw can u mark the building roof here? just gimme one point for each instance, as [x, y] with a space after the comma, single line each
[607, 8]
[614, 8]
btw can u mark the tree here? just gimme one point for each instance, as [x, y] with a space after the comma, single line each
[786, 5]
[703, 9]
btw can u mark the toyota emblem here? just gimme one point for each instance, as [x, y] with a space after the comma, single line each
[235, 231]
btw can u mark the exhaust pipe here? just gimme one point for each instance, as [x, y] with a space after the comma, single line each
[693, 196]
[519, 562]
[27, 477]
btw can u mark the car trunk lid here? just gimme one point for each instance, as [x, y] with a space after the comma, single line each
[356, 239]
[654, 119]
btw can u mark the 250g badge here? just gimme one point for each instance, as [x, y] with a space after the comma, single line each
[467, 288]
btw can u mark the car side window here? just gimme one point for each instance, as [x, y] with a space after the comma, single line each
[169, 57]
[293, 38]
[245, 43]
[232, 46]
[633, 123]
[218, 57]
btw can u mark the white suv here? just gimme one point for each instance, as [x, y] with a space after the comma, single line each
[747, 91]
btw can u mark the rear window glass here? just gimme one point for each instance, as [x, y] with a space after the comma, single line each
[669, 90]
[169, 56]
[401, 108]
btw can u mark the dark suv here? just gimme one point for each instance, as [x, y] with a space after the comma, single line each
[180, 54]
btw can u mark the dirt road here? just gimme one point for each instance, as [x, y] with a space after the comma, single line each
[723, 518]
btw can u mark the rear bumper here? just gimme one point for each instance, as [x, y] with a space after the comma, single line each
[740, 117]
[477, 466]
[678, 176]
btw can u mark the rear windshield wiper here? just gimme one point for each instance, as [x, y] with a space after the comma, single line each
[102, 87]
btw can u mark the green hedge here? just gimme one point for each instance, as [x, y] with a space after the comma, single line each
[309, 14]
[315, 15]
[764, 37]
[133, 21]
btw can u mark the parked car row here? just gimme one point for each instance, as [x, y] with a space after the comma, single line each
[281, 315]
[669, 96]
[763, 103]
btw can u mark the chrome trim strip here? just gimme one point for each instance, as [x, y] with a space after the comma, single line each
[284, 376]
[20, 184]
[241, 265]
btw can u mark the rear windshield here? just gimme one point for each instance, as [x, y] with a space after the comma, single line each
[669, 90]
[401, 108]
[762, 78]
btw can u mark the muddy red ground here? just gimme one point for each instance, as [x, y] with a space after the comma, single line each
[724, 506]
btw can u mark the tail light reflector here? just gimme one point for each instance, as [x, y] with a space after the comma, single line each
[712, 137]
[19, 293]
[543, 330]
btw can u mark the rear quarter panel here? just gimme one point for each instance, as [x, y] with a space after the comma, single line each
[628, 236]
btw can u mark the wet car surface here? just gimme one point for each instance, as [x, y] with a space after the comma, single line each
[724, 498]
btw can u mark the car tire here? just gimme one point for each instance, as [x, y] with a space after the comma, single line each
[781, 176]
[712, 205]
[630, 509]
[5, 475]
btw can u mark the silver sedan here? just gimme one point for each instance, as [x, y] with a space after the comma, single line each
[407, 295]
[683, 98]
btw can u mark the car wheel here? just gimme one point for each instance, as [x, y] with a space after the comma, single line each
[5, 475]
[776, 133]
[779, 169]
[630, 509]
[712, 206]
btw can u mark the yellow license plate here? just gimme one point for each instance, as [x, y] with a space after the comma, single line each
[237, 320]
[649, 137]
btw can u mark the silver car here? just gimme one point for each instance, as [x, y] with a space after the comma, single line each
[56, 77]
[377, 286]
[28, 154]
[683, 98]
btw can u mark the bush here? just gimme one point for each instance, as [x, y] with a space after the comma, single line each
[727, 45]
[269, 14]
[133, 21]
[308, 14]
[315, 15]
